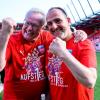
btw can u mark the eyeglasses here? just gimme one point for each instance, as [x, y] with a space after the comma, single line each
[34, 25]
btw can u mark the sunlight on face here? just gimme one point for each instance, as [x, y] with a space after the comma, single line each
[57, 23]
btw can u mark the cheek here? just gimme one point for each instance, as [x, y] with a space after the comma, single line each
[65, 27]
[24, 28]
[48, 27]
[23, 31]
[37, 30]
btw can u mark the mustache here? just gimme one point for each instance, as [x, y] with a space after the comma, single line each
[57, 30]
[29, 31]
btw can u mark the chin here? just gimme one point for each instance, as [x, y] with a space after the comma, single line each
[26, 38]
[62, 37]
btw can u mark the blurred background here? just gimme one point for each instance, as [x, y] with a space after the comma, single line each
[84, 14]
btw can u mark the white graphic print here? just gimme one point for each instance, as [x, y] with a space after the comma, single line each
[55, 75]
[54, 64]
[33, 67]
[32, 62]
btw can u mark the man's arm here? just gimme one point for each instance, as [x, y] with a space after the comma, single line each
[3, 42]
[7, 29]
[87, 76]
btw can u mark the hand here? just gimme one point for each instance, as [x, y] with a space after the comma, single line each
[80, 36]
[57, 46]
[8, 25]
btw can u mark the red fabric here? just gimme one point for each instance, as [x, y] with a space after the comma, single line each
[24, 71]
[63, 86]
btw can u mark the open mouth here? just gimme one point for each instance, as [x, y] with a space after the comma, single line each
[57, 33]
[29, 33]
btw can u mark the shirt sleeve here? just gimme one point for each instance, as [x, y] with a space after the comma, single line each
[87, 54]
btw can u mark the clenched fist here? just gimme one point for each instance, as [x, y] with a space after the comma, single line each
[57, 47]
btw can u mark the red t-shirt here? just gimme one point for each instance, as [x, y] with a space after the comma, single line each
[25, 78]
[63, 85]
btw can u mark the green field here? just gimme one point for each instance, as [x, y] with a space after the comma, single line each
[0, 96]
[97, 87]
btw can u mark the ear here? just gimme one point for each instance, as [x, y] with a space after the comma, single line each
[69, 20]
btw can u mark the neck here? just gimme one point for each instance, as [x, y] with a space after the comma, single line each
[69, 36]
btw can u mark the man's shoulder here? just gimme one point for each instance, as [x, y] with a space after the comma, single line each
[86, 44]
[46, 35]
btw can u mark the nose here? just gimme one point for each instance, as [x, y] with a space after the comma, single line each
[29, 27]
[54, 25]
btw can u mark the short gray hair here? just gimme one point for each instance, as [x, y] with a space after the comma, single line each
[36, 10]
